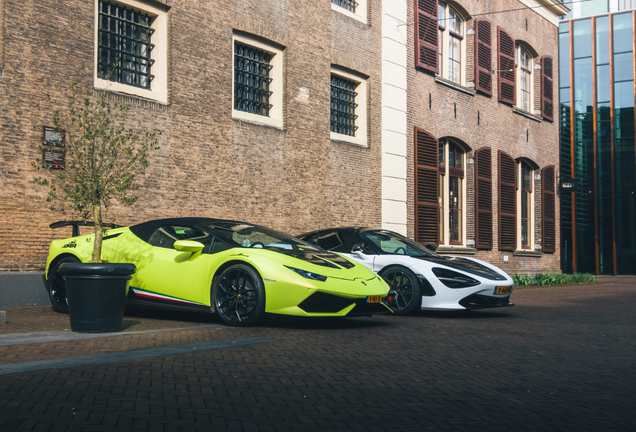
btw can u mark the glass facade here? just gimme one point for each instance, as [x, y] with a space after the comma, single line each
[598, 144]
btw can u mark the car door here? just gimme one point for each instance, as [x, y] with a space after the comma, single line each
[178, 275]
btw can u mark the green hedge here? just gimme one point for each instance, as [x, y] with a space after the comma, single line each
[552, 279]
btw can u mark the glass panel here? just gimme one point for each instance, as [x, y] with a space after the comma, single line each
[582, 38]
[564, 59]
[454, 62]
[584, 164]
[454, 204]
[623, 67]
[603, 83]
[454, 21]
[440, 186]
[623, 97]
[602, 40]
[622, 24]
[441, 14]
[441, 153]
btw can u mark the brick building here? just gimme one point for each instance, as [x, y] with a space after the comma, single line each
[483, 131]
[295, 115]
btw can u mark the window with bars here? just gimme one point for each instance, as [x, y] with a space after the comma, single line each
[252, 79]
[343, 106]
[347, 4]
[124, 45]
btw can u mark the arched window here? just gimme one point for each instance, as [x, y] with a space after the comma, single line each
[452, 192]
[451, 43]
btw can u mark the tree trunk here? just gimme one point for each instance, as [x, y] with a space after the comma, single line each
[99, 233]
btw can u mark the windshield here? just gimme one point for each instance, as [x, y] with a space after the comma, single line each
[253, 236]
[393, 243]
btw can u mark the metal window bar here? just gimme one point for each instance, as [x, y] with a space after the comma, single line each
[347, 4]
[252, 79]
[124, 46]
[343, 106]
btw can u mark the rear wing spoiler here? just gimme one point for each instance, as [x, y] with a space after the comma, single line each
[77, 224]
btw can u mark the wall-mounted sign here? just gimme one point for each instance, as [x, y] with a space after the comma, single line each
[567, 184]
[53, 148]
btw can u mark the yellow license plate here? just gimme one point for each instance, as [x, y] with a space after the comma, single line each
[374, 299]
[503, 290]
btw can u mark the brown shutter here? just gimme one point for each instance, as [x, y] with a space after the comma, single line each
[426, 33]
[548, 219]
[507, 202]
[426, 188]
[506, 66]
[483, 199]
[547, 101]
[483, 56]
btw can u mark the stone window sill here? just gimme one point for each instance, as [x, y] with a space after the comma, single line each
[458, 250]
[528, 253]
[527, 114]
[455, 86]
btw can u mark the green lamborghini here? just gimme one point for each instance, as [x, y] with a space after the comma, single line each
[239, 270]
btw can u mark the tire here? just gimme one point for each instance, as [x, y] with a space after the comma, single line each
[405, 286]
[56, 285]
[239, 296]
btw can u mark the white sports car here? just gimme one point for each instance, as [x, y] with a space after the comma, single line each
[417, 276]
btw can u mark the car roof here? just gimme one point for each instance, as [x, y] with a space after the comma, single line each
[145, 229]
[355, 229]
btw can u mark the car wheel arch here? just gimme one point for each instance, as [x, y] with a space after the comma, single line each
[59, 258]
[222, 268]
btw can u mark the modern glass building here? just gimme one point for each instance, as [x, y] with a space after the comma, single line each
[598, 215]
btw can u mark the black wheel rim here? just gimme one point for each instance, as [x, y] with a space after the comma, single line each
[57, 290]
[401, 288]
[236, 296]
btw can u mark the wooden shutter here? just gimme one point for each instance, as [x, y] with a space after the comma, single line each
[483, 56]
[483, 199]
[547, 101]
[506, 67]
[507, 202]
[548, 209]
[426, 34]
[426, 188]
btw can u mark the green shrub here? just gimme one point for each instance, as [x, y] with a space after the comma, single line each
[552, 279]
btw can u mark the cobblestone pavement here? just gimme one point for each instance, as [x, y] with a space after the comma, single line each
[562, 359]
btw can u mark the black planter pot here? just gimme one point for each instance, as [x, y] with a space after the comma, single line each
[96, 295]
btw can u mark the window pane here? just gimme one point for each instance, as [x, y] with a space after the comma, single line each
[454, 21]
[602, 40]
[623, 67]
[582, 38]
[622, 24]
[564, 59]
[454, 63]
[251, 79]
[343, 106]
[454, 205]
[603, 83]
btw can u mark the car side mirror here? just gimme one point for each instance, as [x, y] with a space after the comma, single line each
[189, 246]
[358, 249]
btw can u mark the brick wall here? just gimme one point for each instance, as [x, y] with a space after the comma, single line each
[293, 179]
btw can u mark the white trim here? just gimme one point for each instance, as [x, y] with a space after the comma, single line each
[361, 110]
[159, 85]
[360, 14]
[275, 117]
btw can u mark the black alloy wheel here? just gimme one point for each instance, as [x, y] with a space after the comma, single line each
[239, 296]
[405, 287]
[56, 285]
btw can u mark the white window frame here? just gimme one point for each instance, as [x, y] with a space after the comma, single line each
[531, 210]
[445, 189]
[519, 72]
[360, 14]
[159, 86]
[444, 43]
[360, 137]
[275, 118]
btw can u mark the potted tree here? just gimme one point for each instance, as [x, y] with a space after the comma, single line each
[102, 155]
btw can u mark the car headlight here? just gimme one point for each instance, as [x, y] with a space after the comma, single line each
[453, 279]
[308, 275]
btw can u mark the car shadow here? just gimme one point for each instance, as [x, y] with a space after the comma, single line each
[467, 314]
[320, 323]
[168, 315]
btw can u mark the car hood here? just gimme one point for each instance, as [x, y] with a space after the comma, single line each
[466, 265]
